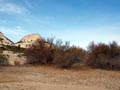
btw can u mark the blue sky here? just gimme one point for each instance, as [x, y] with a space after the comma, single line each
[77, 21]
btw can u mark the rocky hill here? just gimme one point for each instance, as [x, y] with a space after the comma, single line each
[25, 42]
[4, 40]
[28, 40]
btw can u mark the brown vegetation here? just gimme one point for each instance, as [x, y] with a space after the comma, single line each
[63, 55]
[49, 53]
[66, 56]
[39, 53]
[104, 56]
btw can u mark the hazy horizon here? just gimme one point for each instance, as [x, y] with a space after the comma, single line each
[77, 21]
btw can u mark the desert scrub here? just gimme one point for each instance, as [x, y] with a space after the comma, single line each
[39, 53]
[104, 56]
[66, 57]
[59, 54]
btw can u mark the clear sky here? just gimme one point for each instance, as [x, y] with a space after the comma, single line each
[77, 21]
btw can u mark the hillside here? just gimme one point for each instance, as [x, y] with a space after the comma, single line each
[25, 42]
[4, 40]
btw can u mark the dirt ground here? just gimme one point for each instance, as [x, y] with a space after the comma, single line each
[50, 78]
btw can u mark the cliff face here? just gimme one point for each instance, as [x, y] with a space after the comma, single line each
[28, 40]
[4, 40]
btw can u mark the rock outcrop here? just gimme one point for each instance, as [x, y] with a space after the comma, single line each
[25, 42]
[17, 58]
[4, 40]
[28, 40]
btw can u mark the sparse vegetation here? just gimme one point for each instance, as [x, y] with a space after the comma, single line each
[43, 52]
[39, 53]
[15, 49]
[49, 51]
[4, 58]
[66, 56]
[63, 55]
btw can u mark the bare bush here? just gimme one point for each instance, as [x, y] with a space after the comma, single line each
[39, 53]
[59, 54]
[104, 56]
[66, 57]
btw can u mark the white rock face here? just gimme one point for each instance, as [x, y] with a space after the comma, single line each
[4, 40]
[28, 40]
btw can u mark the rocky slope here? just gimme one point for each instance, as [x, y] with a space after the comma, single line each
[25, 42]
[15, 58]
[4, 40]
[28, 40]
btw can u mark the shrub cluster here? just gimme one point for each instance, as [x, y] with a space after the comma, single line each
[66, 56]
[104, 56]
[39, 53]
[43, 52]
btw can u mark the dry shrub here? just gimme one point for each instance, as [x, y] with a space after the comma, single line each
[104, 56]
[39, 53]
[66, 57]
[47, 52]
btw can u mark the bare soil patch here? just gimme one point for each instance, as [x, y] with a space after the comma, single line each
[51, 78]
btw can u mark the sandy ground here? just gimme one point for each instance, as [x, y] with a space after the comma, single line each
[50, 78]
